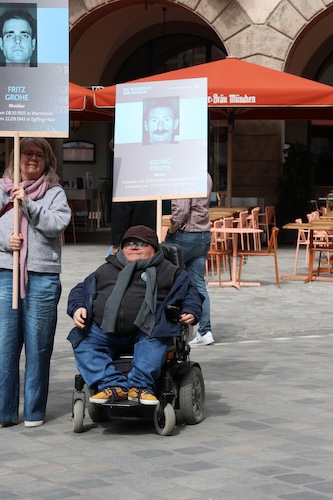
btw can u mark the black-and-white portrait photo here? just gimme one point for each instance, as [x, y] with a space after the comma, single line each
[18, 34]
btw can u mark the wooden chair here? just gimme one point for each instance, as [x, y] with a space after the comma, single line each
[220, 242]
[267, 220]
[270, 251]
[320, 238]
[80, 215]
[218, 253]
[220, 195]
[62, 236]
[253, 221]
[302, 239]
[313, 205]
[241, 221]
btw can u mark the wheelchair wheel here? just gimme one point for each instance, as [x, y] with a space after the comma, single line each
[164, 420]
[78, 413]
[192, 396]
[97, 413]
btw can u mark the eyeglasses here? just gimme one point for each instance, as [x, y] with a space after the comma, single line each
[30, 154]
[139, 244]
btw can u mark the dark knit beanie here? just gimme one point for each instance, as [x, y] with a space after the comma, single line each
[142, 233]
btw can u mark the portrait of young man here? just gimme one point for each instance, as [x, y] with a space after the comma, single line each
[18, 38]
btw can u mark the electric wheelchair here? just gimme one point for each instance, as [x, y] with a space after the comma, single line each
[180, 386]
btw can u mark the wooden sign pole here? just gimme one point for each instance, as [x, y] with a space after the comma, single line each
[16, 253]
[159, 218]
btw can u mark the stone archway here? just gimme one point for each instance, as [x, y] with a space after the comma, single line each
[111, 32]
[262, 33]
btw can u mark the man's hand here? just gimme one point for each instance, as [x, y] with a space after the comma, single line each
[186, 318]
[80, 317]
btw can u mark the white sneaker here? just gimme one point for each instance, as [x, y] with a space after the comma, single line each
[206, 339]
[33, 423]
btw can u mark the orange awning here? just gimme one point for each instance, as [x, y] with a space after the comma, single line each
[248, 90]
[81, 105]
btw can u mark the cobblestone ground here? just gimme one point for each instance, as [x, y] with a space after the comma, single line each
[267, 433]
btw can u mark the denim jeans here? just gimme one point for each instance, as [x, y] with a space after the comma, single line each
[195, 247]
[33, 325]
[95, 353]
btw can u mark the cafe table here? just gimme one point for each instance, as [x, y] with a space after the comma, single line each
[315, 225]
[235, 231]
[216, 213]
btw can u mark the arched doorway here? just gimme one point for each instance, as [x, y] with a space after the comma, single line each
[312, 57]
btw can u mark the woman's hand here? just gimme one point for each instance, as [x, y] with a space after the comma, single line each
[15, 242]
[186, 318]
[80, 317]
[18, 193]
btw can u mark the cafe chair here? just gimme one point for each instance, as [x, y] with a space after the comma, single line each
[80, 215]
[313, 206]
[241, 221]
[271, 251]
[218, 255]
[220, 242]
[323, 244]
[253, 222]
[165, 226]
[267, 220]
[62, 236]
[220, 249]
[314, 215]
[302, 239]
[327, 251]
[220, 195]
[319, 237]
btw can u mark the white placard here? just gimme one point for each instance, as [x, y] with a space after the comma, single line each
[161, 140]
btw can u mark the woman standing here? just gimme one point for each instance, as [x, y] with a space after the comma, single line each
[44, 214]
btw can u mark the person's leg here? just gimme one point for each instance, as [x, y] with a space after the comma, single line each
[39, 319]
[149, 356]
[196, 270]
[93, 357]
[195, 247]
[11, 342]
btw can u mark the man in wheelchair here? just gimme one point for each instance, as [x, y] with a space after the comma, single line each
[124, 303]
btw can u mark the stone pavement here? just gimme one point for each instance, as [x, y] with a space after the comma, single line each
[268, 430]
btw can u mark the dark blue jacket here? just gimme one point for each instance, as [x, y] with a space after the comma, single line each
[182, 292]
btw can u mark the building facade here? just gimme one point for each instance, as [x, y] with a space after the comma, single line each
[112, 41]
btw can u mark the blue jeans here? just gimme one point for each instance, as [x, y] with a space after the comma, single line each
[195, 247]
[95, 353]
[33, 325]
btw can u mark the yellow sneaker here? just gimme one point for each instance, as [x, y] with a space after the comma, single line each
[144, 396]
[108, 394]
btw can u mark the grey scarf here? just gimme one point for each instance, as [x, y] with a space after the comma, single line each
[145, 319]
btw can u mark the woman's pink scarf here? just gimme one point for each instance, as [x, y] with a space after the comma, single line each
[34, 190]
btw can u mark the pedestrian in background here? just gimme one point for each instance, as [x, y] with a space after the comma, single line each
[190, 228]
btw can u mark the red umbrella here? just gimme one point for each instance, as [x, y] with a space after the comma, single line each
[81, 105]
[240, 86]
[78, 97]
